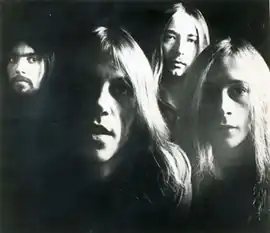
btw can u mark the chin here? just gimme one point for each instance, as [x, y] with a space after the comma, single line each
[26, 91]
[103, 158]
[177, 73]
[99, 154]
[94, 156]
[230, 144]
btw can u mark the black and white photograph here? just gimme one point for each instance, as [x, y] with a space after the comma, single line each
[136, 116]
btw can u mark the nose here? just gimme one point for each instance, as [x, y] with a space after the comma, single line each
[103, 101]
[226, 103]
[180, 46]
[21, 66]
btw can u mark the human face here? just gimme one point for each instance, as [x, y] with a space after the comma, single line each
[25, 69]
[180, 44]
[226, 106]
[114, 114]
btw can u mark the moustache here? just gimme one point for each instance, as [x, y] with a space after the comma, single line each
[19, 78]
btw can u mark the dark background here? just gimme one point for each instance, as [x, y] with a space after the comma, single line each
[247, 19]
[61, 24]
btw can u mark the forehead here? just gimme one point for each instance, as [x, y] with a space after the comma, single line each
[183, 23]
[229, 70]
[22, 49]
[107, 71]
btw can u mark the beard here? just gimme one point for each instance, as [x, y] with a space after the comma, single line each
[22, 84]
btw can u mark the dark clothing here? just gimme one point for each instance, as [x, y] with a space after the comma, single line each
[61, 197]
[47, 190]
[28, 132]
[169, 113]
[227, 205]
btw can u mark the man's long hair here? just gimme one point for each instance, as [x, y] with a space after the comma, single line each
[35, 37]
[208, 63]
[201, 28]
[118, 46]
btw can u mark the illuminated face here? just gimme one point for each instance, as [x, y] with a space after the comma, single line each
[115, 113]
[180, 44]
[25, 69]
[226, 106]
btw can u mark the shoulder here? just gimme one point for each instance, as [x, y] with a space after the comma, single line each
[168, 112]
[155, 204]
[157, 213]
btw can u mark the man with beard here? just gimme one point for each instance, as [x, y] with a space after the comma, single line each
[26, 68]
[29, 62]
[26, 119]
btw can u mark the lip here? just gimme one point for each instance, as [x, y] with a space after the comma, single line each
[226, 127]
[101, 130]
[21, 79]
[20, 82]
[178, 63]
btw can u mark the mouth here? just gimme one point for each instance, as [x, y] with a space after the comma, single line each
[226, 127]
[22, 81]
[101, 130]
[178, 64]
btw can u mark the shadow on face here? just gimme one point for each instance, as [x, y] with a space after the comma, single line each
[225, 108]
[104, 111]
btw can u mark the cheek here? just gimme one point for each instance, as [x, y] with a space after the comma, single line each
[192, 52]
[127, 115]
[10, 69]
[244, 117]
[34, 70]
[167, 50]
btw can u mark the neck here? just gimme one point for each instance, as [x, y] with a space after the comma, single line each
[228, 160]
[121, 162]
[171, 92]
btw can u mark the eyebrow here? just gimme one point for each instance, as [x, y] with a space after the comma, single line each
[174, 32]
[171, 31]
[123, 79]
[237, 81]
[193, 35]
[227, 82]
[22, 55]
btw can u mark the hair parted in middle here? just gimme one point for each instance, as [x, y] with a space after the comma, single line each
[116, 46]
[209, 63]
[201, 28]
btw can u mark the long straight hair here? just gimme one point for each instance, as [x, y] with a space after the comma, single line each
[118, 46]
[202, 30]
[258, 79]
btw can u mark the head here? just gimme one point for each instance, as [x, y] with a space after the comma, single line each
[185, 35]
[227, 104]
[121, 98]
[26, 67]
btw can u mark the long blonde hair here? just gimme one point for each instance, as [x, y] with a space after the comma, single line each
[118, 45]
[259, 82]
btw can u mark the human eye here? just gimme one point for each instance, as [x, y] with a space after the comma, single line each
[13, 59]
[238, 90]
[192, 40]
[32, 59]
[120, 88]
[169, 37]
